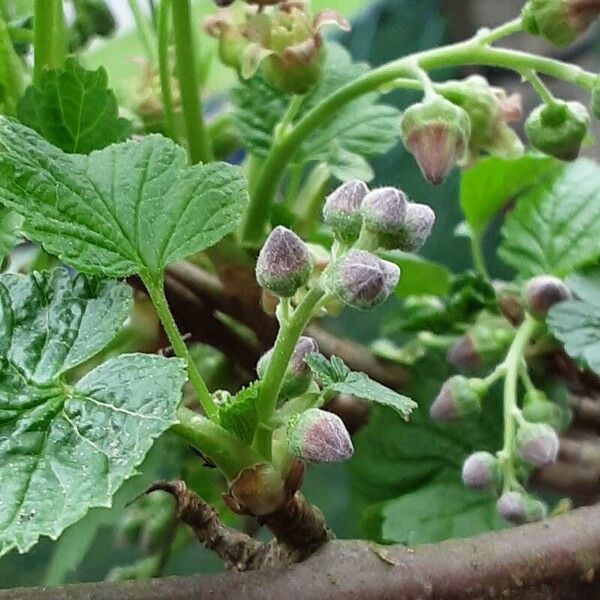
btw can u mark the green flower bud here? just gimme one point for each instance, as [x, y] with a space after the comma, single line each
[459, 397]
[480, 471]
[318, 436]
[437, 133]
[342, 210]
[298, 375]
[558, 129]
[417, 227]
[384, 211]
[538, 408]
[560, 22]
[284, 263]
[537, 444]
[543, 292]
[362, 280]
[518, 507]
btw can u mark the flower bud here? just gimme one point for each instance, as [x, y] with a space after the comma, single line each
[284, 263]
[537, 444]
[459, 397]
[543, 292]
[518, 507]
[558, 129]
[318, 436]
[560, 22]
[538, 408]
[417, 227]
[480, 471]
[384, 210]
[362, 280]
[342, 210]
[298, 375]
[437, 133]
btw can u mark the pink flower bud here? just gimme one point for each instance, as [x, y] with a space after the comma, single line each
[543, 292]
[537, 444]
[342, 210]
[417, 227]
[518, 507]
[319, 436]
[384, 210]
[459, 397]
[480, 471]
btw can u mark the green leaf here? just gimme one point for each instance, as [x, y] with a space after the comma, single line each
[576, 323]
[130, 208]
[492, 182]
[555, 227]
[335, 376]
[74, 109]
[239, 414]
[419, 276]
[66, 448]
[10, 228]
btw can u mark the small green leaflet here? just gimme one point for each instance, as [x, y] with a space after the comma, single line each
[74, 109]
[555, 227]
[65, 448]
[130, 208]
[239, 414]
[576, 323]
[335, 376]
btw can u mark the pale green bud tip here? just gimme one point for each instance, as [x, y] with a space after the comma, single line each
[538, 408]
[384, 210]
[558, 129]
[538, 444]
[284, 263]
[459, 397]
[543, 292]
[480, 471]
[517, 507]
[342, 210]
[319, 436]
[362, 280]
[417, 227]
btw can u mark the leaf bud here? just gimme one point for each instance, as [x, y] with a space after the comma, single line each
[543, 292]
[558, 129]
[342, 210]
[518, 507]
[362, 280]
[318, 436]
[459, 397]
[436, 132]
[384, 210]
[284, 263]
[298, 375]
[417, 227]
[480, 471]
[537, 444]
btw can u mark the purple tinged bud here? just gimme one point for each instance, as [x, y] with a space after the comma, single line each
[342, 210]
[384, 210]
[223, 3]
[284, 264]
[418, 224]
[517, 507]
[459, 397]
[543, 292]
[463, 355]
[538, 444]
[480, 471]
[319, 436]
[362, 280]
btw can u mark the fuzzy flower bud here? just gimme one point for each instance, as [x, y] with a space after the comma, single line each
[459, 397]
[560, 22]
[284, 263]
[319, 436]
[537, 444]
[543, 292]
[417, 227]
[437, 133]
[362, 280]
[298, 375]
[342, 210]
[518, 507]
[538, 408]
[558, 129]
[384, 210]
[480, 471]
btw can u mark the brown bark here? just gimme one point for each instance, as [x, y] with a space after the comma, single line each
[558, 559]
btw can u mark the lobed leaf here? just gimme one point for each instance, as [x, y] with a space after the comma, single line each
[240, 415]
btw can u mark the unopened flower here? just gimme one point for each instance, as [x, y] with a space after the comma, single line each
[558, 129]
[537, 444]
[362, 280]
[284, 263]
[417, 226]
[543, 292]
[518, 507]
[437, 133]
[342, 210]
[319, 436]
[384, 210]
[538, 408]
[459, 397]
[480, 471]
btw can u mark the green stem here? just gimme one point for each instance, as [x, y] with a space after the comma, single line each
[164, 71]
[310, 200]
[477, 254]
[157, 295]
[187, 74]
[469, 52]
[227, 451]
[491, 36]
[12, 72]
[512, 364]
[282, 352]
[288, 117]
[540, 87]
[143, 30]
[49, 48]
